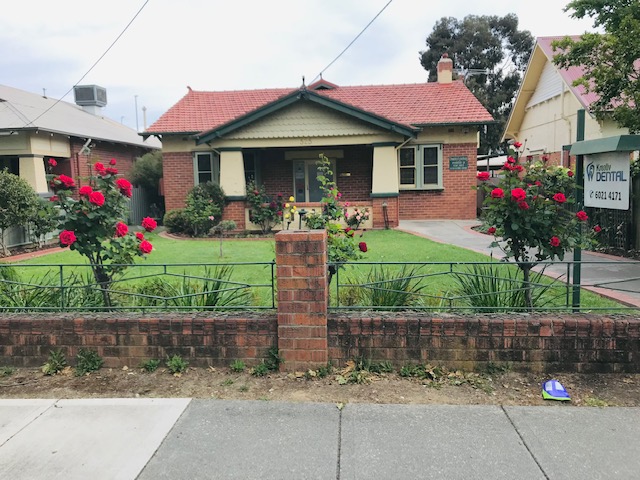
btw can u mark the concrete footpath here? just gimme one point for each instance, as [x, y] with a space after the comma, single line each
[614, 277]
[210, 439]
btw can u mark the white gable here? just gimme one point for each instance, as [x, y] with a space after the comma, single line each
[549, 85]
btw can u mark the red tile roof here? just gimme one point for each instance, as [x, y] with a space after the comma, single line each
[409, 104]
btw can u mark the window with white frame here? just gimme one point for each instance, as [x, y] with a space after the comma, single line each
[206, 167]
[420, 167]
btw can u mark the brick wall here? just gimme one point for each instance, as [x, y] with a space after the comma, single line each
[177, 171]
[125, 339]
[456, 201]
[235, 210]
[539, 343]
[378, 212]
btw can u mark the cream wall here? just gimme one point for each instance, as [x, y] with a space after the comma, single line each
[232, 173]
[548, 126]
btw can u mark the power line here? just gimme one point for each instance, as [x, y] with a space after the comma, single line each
[94, 65]
[352, 41]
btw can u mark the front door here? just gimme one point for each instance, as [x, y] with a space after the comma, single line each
[306, 184]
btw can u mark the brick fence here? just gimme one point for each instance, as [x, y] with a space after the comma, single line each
[308, 336]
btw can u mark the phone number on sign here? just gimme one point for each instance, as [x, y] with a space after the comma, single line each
[600, 195]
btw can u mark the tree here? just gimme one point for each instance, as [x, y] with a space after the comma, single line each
[491, 55]
[93, 223]
[17, 204]
[147, 171]
[528, 211]
[611, 60]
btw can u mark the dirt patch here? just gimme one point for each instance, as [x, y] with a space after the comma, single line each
[459, 388]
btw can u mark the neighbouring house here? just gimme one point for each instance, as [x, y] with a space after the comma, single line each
[544, 115]
[404, 151]
[544, 120]
[34, 128]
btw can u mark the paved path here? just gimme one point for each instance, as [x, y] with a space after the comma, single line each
[614, 277]
[216, 439]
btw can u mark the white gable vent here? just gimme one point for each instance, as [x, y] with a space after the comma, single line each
[90, 95]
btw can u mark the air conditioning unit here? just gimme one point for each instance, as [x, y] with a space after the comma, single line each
[90, 95]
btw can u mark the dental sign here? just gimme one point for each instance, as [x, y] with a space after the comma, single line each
[606, 180]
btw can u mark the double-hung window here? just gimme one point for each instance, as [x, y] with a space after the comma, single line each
[420, 167]
[206, 167]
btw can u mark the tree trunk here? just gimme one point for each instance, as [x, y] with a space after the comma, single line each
[526, 285]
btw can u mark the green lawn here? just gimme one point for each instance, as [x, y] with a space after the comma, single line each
[194, 256]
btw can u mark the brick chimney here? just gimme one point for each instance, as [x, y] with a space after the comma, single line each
[445, 69]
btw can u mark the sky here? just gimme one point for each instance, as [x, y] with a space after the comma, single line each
[48, 46]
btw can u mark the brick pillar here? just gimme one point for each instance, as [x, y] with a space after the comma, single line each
[301, 263]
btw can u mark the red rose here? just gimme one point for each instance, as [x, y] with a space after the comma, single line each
[517, 144]
[538, 183]
[111, 171]
[483, 176]
[124, 186]
[112, 161]
[560, 198]
[145, 246]
[570, 173]
[497, 193]
[85, 191]
[67, 237]
[53, 198]
[545, 158]
[597, 229]
[510, 159]
[140, 235]
[518, 194]
[523, 205]
[67, 181]
[582, 215]
[99, 167]
[121, 229]
[52, 162]
[491, 230]
[555, 241]
[362, 246]
[97, 198]
[518, 168]
[149, 224]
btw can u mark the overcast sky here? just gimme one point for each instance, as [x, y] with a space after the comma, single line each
[230, 44]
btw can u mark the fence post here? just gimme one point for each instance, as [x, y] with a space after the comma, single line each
[301, 268]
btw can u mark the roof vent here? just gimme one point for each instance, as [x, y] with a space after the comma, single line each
[90, 95]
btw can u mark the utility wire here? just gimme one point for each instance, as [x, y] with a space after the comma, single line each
[352, 42]
[94, 65]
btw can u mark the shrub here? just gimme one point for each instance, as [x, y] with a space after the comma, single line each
[43, 221]
[87, 361]
[238, 366]
[205, 204]
[176, 222]
[18, 204]
[264, 211]
[386, 287]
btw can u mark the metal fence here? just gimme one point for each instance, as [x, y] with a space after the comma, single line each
[487, 287]
[140, 287]
[440, 287]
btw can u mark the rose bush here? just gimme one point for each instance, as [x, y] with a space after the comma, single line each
[94, 225]
[534, 223]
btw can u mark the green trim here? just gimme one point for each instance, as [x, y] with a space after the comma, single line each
[300, 95]
[385, 195]
[566, 148]
[229, 149]
[618, 143]
[455, 124]
[385, 144]
[236, 198]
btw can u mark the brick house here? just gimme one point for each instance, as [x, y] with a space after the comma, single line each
[407, 151]
[544, 114]
[34, 128]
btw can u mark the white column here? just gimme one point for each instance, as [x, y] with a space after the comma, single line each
[32, 170]
[385, 170]
[232, 173]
